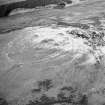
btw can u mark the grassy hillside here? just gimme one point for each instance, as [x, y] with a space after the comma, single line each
[7, 8]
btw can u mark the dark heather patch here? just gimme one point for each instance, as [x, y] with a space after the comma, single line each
[47, 41]
[45, 84]
[3, 101]
[67, 95]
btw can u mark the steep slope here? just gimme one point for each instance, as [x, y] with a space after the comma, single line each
[5, 9]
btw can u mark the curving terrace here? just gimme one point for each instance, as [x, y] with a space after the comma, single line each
[7, 8]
